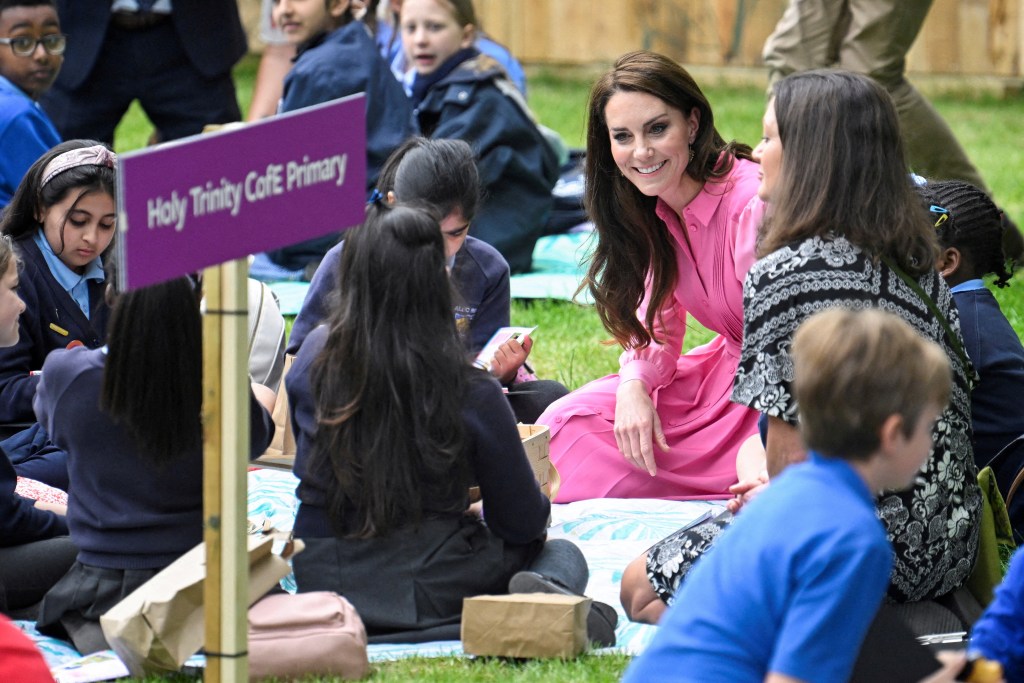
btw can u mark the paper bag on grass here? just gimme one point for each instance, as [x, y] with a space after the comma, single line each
[525, 625]
[160, 625]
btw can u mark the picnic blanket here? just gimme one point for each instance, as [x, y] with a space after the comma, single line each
[610, 532]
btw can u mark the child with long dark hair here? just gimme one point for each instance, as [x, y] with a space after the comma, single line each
[393, 425]
[61, 219]
[128, 417]
[442, 174]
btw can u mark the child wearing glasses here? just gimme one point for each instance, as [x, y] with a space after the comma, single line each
[31, 49]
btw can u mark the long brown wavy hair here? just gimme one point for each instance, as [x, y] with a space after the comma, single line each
[844, 171]
[633, 244]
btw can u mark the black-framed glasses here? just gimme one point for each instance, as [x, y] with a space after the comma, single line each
[25, 46]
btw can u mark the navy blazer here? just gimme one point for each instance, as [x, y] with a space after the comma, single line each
[47, 306]
[210, 32]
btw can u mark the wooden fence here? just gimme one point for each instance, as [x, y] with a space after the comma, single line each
[960, 37]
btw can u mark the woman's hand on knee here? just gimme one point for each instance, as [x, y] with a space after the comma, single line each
[637, 426]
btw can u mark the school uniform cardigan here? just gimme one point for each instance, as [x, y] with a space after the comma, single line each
[515, 509]
[996, 353]
[51, 320]
[482, 300]
[123, 511]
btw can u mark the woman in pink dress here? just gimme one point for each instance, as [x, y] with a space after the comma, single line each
[676, 213]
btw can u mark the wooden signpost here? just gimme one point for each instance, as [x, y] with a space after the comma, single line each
[214, 199]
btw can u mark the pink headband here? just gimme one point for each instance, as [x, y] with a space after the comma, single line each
[97, 155]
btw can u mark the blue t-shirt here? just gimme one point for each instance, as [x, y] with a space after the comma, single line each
[26, 133]
[999, 634]
[790, 588]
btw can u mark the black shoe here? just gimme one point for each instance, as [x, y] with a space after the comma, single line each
[601, 620]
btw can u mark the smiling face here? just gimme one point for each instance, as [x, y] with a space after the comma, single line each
[650, 142]
[431, 34]
[79, 228]
[11, 305]
[33, 74]
[303, 20]
[769, 153]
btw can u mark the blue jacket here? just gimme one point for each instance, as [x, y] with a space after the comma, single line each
[26, 132]
[341, 63]
[481, 280]
[996, 353]
[51, 321]
[345, 62]
[518, 168]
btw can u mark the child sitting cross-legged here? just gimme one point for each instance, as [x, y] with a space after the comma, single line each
[791, 587]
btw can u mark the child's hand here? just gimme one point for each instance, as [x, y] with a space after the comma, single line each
[509, 357]
[745, 491]
[56, 508]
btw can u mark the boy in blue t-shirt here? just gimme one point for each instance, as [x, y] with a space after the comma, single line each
[789, 591]
[337, 57]
[30, 57]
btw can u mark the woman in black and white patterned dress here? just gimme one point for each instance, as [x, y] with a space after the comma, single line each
[844, 223]
[842, 226]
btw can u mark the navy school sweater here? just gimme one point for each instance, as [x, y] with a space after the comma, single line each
[482, 302]
[123, 512]
[51, 320]
[514, 507]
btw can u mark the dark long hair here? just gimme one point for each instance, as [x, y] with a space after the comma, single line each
[438, 172]
[153, 379]
[32, 198]
[390, 382]
[632, 242]
[844, 172]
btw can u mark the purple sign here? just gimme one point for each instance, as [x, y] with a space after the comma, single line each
[186, 205]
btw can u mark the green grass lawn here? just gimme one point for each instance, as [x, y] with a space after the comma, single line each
[571, 344]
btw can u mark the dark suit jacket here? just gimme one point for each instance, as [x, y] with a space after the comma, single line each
[210, 32]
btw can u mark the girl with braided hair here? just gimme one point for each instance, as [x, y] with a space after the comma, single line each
[970, 232]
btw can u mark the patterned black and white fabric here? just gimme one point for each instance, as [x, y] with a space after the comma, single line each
[934, 525]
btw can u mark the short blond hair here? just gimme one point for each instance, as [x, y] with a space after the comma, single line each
[853, 369]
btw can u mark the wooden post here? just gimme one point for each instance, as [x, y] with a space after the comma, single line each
[225, 451]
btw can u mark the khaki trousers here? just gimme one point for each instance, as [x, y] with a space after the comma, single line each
[872, 37]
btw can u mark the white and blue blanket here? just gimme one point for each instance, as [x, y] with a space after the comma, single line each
[610, 532]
